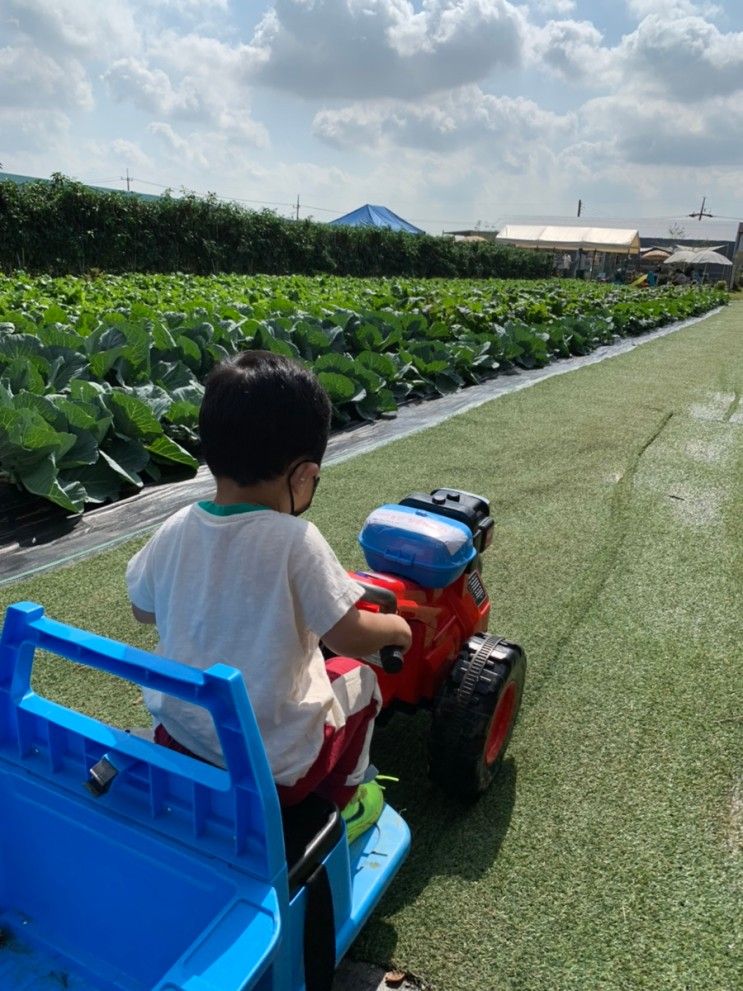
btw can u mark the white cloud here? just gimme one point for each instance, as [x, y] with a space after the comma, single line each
[667, 133]
[587, 159]
[202, 84]
[559, 7]
[123, 150]
[214, 150]
[321, 184]
[573, 51]
[183, 149]
[687, 57]
[29, 131]
[468, 118]
[151, 89]
[191, 7]
[239, 124]
[199, 54]
[670, 8]
[372, 48]
[30, 78]
[95, 28]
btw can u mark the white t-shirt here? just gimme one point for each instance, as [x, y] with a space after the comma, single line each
[257, 590]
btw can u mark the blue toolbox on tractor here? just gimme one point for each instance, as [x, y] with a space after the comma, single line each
[125, 866]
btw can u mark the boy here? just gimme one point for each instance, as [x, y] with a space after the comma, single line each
[241, 579]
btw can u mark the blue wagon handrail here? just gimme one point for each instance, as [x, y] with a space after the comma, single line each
[233, 814]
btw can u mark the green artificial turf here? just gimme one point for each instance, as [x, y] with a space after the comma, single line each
[607, 856]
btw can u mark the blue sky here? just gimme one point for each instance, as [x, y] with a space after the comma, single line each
[451, 112]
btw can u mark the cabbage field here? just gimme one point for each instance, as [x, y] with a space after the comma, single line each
[101, 378]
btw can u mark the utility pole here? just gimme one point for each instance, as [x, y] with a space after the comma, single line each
[297, 206]
[701, 211]
[128, 182]
[580, 207]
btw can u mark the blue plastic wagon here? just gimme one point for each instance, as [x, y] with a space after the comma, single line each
[127, 867]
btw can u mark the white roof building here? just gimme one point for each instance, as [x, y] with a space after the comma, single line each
[613, 240]
[668, 231]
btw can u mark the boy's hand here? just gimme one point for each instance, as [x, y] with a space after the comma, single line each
[360, 633]
[403, 636]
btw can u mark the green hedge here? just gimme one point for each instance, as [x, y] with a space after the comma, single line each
[64, 227]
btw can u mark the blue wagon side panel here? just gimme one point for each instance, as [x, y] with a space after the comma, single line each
[180, 860]
[175, 877]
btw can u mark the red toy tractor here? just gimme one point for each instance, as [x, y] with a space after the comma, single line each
[425, 552]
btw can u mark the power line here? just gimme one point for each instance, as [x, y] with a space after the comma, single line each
[236, 199]
[447, 223]
[157, 185]
[230, 199]
[110, 178]
[322, 209]
[294, 206]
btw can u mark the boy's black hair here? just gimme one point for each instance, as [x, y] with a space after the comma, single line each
[260, 413]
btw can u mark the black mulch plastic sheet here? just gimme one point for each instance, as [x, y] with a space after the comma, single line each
[35, 536]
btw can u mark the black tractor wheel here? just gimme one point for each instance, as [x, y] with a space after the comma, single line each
[474, 716]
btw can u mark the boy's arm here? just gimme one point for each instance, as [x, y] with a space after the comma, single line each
[142, 616]
[360, 633]
[326, 594]
[139, 584]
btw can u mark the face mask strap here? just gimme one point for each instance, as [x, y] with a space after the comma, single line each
[315, 483]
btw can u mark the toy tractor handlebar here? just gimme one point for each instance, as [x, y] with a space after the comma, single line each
[382, 600]
[392, 659]
[425, 552]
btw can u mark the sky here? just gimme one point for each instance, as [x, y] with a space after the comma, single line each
[453, 113]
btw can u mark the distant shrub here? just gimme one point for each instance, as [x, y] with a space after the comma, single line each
[64, 227]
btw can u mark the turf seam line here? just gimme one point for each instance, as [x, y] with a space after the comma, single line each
[616, 536]
[732, 407]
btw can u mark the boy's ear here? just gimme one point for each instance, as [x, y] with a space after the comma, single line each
[304, 472]
[308, 471]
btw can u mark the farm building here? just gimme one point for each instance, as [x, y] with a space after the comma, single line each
[725, 236]
[580, 251]
[661, 232]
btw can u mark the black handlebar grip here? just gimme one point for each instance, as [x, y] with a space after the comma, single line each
[392, 659]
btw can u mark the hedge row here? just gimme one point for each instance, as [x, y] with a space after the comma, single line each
[64, 227]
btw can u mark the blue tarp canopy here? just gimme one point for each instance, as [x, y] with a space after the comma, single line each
[375, 216]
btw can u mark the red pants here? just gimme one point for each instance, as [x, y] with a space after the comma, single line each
[344, 757]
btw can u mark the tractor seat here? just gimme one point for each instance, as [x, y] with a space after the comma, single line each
[311, 830]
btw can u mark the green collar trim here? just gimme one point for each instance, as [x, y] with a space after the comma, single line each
[232, 510]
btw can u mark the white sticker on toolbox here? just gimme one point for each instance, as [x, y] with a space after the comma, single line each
[452, 538]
